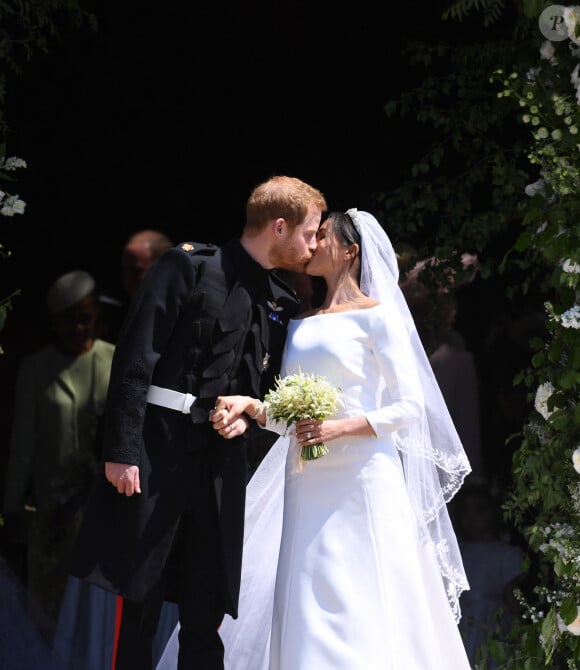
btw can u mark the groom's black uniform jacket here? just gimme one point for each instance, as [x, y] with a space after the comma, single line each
[208, 321]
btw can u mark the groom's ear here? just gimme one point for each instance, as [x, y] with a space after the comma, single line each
[278, 226]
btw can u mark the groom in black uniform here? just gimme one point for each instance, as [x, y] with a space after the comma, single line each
[166, 521]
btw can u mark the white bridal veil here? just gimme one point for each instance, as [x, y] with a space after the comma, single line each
[433, 457]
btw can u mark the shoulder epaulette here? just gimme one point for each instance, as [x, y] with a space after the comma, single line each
[196, 248]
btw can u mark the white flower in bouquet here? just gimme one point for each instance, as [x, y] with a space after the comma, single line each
[302, 396]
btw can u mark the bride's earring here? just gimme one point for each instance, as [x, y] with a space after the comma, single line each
[345, 257]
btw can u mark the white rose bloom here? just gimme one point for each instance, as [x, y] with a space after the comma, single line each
[536, 187]
[547, 50]
[573, 627]
[18, 206]
[576, 459]
[571, 16]
[13, 163]
[571, 318]
[544, 391]
[570, 266]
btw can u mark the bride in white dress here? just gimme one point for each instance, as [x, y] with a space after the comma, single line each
[359, 568]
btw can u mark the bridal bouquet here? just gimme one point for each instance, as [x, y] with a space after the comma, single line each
[300, 396]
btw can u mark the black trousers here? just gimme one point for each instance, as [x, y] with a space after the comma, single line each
[197, 561]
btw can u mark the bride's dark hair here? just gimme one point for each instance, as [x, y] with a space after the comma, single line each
[343, 227]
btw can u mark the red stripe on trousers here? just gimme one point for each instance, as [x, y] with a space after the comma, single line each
[118, 616]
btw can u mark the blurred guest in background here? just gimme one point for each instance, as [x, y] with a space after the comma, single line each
[431, 298]
[140, 251]
[55, 438]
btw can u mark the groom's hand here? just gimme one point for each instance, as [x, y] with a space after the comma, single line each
[228, 408]
[228, 415]
[124, 477]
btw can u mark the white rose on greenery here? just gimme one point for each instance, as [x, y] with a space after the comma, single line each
[571, 318]
[536, 187]
[573, 627]
[571, 267]
[12, 163]
[576, 459]
[547, 51]
[543, 393]
[12, 205]
[571, 16]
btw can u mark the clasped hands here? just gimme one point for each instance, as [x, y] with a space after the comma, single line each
[228, 415]
[228, 418]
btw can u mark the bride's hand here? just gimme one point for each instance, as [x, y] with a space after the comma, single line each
[228, 415]
[234, 429]
[312, 431]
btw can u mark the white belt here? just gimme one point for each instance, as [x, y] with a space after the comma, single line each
[181, 402]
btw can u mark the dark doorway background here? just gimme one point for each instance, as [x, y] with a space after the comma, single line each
[168, 118]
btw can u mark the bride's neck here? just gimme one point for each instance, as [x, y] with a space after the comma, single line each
[344, 293]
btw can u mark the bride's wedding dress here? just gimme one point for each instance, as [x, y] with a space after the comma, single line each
[357, 585]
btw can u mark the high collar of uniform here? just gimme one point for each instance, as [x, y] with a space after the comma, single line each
[253, 273]
[248, 268]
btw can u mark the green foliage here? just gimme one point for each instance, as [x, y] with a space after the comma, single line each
[10, 205]
[26, 27]
[491, 10]
[545, 502]
[499, 175]
[30, 26]
[533, 8]
[465, 191]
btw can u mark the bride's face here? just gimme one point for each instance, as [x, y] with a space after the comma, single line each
[325, 258]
